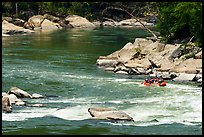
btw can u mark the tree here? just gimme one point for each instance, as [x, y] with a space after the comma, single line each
[180, 21]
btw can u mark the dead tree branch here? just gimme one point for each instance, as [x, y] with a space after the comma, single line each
[132, 16]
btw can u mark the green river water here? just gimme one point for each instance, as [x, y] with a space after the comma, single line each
[62, 65]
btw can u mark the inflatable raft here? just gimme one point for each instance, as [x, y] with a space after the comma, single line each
[154, 82]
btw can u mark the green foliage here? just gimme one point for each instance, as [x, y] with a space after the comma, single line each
[79, 8]
[84, 9]
[177, 20]
[180, 20]
[137, 52]
[8, 8]
[55, 8]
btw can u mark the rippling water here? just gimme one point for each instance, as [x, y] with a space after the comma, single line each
[63, 63]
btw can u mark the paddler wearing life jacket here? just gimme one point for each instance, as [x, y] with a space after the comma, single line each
[154, 79]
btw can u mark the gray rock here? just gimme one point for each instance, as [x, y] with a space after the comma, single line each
[36, 21]
[106, 62]
[6, 105]
[19, 93]
[109, 69]
[52, 18]
[15, 101]
[4, 94]
[11, 29]
[79, 22]
[176, 53]
[141, 70]
[108, 113]
[35, 96]
[185, 77]
[48, 25]
[121, 72]
[160, 47]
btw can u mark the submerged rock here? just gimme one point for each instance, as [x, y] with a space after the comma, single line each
[154, 120]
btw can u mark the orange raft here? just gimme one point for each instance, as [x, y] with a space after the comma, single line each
[155, 83]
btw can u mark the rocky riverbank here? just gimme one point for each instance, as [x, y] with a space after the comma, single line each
[173, 61]
[143, 57]
[46, 22]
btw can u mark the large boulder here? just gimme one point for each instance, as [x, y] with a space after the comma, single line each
[188, 66]
[106, 62]
[52, 18]
[147, 54]
[13, 99]
[134, 22]
[79, 22]
[8, 19]
[34, 22]
[127, 22]
[185, 77]
[128, 52]
[19, 93]
[65, 24]
[49, 25]
[15, 21]
[109, 23]
[6, 105]
[10, 29]
[110, 114]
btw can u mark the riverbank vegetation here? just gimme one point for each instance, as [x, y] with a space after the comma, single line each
[177, 22]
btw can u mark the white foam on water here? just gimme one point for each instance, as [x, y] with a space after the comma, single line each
[178, 104]
[120, 80]
[79, 112]
[87, 100]
[75, 100]
[176, 107]
[184, 88]
[116, 101]
[27, 113]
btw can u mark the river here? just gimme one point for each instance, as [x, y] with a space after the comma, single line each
[62, 65]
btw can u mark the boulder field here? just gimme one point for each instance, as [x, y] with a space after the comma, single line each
[47, 22]
[14, 97]
[145, 56]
